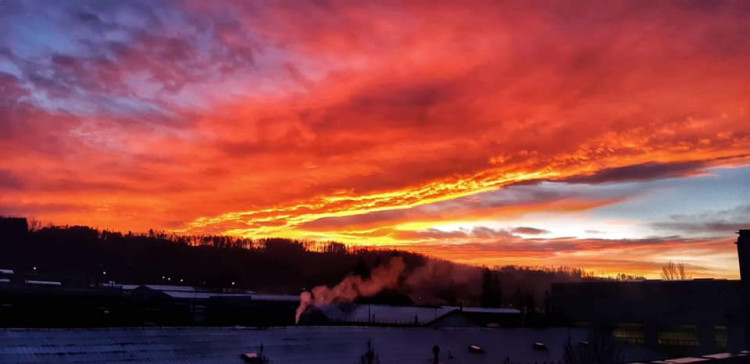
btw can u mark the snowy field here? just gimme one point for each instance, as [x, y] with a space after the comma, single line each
[282, 345]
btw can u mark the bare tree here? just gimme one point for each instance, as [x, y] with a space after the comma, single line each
[34, 224]
[674, 272]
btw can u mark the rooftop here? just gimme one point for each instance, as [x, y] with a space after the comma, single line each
[383, 314]
[189, 292]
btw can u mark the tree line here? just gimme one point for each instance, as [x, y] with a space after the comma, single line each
[272, 265]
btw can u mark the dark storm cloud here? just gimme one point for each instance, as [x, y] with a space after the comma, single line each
[713, 223]
[639, 172]
[528, 230]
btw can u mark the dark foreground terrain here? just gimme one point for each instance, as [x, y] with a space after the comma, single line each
[285, 345]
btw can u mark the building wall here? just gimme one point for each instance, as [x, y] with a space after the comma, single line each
[698, 314]
[13, 228]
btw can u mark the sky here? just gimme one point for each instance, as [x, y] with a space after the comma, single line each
[611, 136]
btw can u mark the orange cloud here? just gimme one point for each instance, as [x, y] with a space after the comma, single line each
[644, 257]
[349, 120]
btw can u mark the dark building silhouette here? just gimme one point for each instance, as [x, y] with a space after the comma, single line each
[690, 317]
[37, 303]
[684, 317]
[743, 254]
[184, 305]
[13, 229]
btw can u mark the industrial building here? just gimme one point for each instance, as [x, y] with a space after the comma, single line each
[685, 317]
[37, 303]
[431, 316]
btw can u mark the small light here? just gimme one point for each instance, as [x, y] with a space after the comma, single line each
[180, 280]
[163, 277]
[169, 278]
[233, 283]
[104, 273]
[34, 268]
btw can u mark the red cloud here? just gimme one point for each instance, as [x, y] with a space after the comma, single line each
[264, 119]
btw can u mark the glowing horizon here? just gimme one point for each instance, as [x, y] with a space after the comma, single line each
[607, 136]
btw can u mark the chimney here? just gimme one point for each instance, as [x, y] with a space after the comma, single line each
[743, 252]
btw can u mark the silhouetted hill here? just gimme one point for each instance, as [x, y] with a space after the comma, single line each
[85, 255]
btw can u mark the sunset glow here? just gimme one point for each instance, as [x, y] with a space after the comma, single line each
[611, 136]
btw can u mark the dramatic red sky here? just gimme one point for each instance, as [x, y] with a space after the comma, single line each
[612, 136]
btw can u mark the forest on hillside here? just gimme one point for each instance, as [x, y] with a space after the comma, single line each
[86, 255]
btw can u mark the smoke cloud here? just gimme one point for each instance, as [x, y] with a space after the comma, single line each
[382, 277]
[429, 283]
[426, 284]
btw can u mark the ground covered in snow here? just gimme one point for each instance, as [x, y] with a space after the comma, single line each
[282, 345]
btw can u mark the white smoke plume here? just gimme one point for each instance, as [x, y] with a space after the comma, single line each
[385, 276]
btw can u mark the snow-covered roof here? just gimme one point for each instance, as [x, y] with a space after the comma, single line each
[43, 283]
[188, 292]
[275, 297]
[159, 287]
[6, 271]
[207, 294]
[489, 310]
[383, 314]
[203, 295]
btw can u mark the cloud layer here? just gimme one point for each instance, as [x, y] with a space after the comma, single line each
[371, 123]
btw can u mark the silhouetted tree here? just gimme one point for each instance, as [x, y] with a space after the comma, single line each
[674, 272]
[491, 293]
[34, 224]
[270, 265]
[361, 269]
[335, 248]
